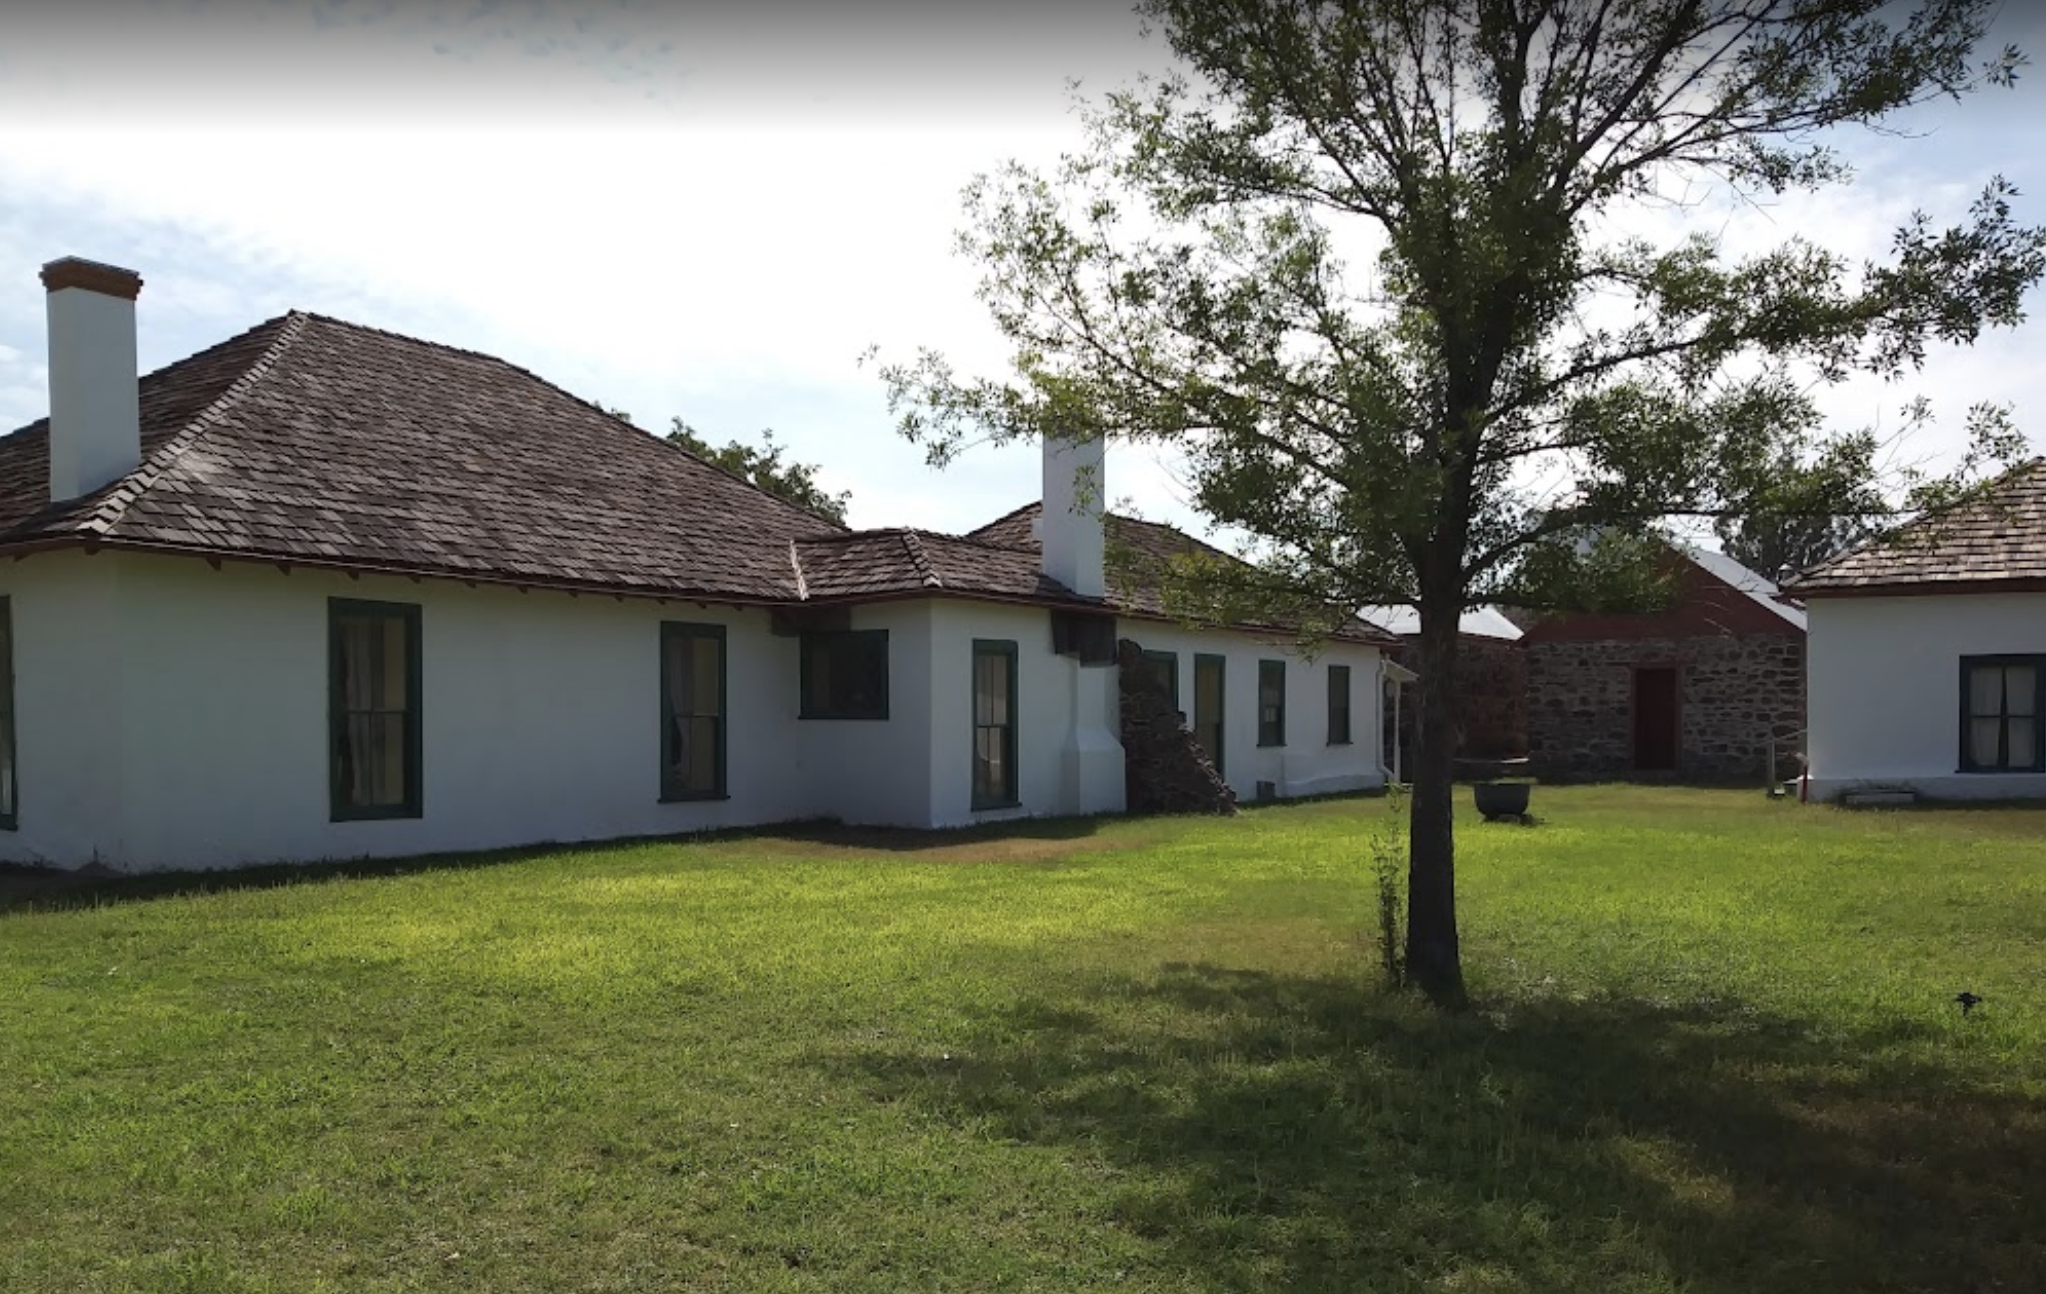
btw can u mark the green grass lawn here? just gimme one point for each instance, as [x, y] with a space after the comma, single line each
[1714, 1050]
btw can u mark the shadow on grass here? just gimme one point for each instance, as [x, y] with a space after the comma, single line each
[1278, 1132]
[45, 889]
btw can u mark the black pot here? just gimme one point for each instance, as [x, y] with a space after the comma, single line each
[1502, 799]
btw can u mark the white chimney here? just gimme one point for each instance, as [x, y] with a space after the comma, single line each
[95, 416]
[1069, 523]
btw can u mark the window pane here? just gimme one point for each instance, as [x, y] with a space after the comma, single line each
[1985, 690]
[395, 688]
[2020, 689]
[1982, 742]
[6, 710]
[358, 652]
[680, 674]
[374, 762]
[697, 771]
[847, 675]
[989, 777]
[707, 668]
[2023, 737]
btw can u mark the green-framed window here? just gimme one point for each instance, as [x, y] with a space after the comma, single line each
[2002, 701]
[1211, 694]
[994, 725]
[373, 686]
[8, 820]
[1271, 703]
[1339, 705]
[845, 674]
[692, 711]
[1163, 666]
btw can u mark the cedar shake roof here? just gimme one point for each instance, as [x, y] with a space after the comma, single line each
[311, 440]
[882, 563]
[1147, 542]
[1996, 538]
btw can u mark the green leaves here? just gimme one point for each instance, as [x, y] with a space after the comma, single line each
[1421, 432]
[762, 466]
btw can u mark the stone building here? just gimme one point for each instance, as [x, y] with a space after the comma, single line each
[1491, 682]
[1697, 691]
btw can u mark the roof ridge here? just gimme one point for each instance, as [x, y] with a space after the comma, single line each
[921, 561]
[111, 509]
[1017, 511]
[970, 541]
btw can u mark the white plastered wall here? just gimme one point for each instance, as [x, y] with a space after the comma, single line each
[873, 771]
[1883, 689]
[1045, 718]
[1307, 764]
[171, 715]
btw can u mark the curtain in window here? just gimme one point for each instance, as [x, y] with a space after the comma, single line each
[994, 776]
[375, 698]
[2003, 726]
[695, 675]
[6, 713]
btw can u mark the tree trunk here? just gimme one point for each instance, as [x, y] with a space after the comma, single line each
[1434, 963]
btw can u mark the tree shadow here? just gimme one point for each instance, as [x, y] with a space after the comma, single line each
[48, 888]
[1306, 1133]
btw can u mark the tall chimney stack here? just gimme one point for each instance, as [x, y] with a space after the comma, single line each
[95, 414]
[1069, 523]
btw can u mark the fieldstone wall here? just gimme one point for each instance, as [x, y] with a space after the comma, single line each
[1164, 768]
[1491, 699]
[1735, 693]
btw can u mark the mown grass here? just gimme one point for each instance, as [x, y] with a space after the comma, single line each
[1714, 1051]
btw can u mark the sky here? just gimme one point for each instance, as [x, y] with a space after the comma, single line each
[695, 211]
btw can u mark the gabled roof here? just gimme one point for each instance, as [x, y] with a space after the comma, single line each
[311, 440]
[1761, 591]
[1147, 541]
[1478, 622]
[1997, 538]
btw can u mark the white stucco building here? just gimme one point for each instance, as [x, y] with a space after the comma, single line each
[1927, 654]
[325, 592]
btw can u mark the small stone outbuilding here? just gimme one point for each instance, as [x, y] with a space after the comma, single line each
[1697, 691]
[1491, 681]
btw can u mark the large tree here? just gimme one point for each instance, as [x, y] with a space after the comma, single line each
[1521, 389]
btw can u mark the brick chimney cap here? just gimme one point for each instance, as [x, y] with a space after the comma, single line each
[93, 276]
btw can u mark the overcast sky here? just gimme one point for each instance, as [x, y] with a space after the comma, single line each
[672, 211]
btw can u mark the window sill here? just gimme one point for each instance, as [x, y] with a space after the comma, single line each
[1342, 743]
[871, 718]
[1001, 806]
[694, 797]
[376, 815]
[1271, 745]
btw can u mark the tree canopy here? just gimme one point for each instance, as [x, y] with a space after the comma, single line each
[1522, 362]
[763, 467]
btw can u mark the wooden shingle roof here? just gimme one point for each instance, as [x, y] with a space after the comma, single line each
[312, 440]
[1996, 539]
[1146, 544]
[888, 563]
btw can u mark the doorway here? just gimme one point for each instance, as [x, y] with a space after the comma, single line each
[1655, 718]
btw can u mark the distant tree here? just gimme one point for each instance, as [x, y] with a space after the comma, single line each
[1802, 513]
[764, 468]
[760, 467]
